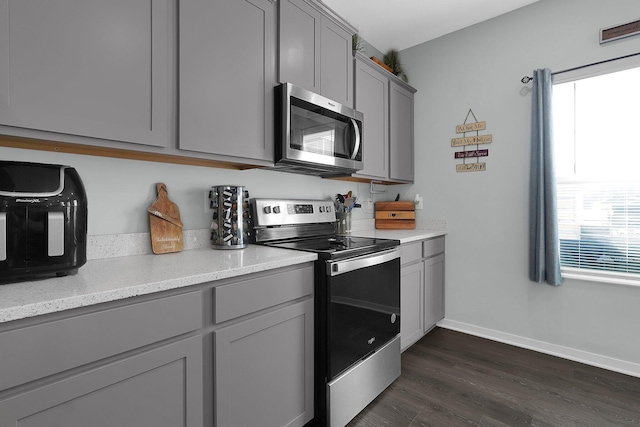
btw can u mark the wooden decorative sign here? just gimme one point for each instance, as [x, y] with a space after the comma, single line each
[476, 140]
[471, 167]
[471, 127]
[472, 140]
[619, 31]
[472, 153]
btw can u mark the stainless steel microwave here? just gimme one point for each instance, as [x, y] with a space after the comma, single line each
[315, 135]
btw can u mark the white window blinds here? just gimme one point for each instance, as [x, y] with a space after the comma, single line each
[599, 225]
[598, 171]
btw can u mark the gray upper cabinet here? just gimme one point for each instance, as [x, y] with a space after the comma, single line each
[227, 74]
[299, 44]
[372, 99]
[101, 69]
[387, 104]
[336, 62]
[315, 50]
[401, 132]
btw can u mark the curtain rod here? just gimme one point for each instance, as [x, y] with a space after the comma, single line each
[527, 79]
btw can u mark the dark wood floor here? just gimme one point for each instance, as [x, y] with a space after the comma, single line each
[453, 379]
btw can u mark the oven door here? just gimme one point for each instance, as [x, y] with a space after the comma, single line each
[363, 307]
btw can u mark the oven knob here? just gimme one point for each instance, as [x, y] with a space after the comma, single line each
[328, 208]
[276, 209]
[321, 209]
[267, 209]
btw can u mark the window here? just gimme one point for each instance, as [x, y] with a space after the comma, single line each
[597, 138]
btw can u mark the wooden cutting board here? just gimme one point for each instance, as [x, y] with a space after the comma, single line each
[395, 215]
[165, 224]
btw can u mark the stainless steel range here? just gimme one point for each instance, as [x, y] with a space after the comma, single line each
[357, 303]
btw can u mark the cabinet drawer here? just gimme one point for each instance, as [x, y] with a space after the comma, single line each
[410, 252]
[432, 247]
[37, 351]
[248, 296]
[161, 387]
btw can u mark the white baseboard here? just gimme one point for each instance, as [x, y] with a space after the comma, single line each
[616, 365]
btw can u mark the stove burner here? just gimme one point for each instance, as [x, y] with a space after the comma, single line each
[337, 242]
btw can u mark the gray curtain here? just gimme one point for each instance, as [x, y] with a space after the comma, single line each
[544, 256]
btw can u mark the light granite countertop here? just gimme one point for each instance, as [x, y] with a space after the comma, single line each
[405, 236]
[110, 279]
[113, 275]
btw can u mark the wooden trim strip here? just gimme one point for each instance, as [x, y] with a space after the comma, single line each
[89, 150]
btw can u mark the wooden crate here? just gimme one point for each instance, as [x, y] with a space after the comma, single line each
[395, 215]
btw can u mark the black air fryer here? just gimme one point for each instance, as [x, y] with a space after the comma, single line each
[43, 221]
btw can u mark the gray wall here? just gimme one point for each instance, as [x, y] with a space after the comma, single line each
[120, 191]
[487, 289]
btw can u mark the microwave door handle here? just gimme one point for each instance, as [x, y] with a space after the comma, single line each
[357, 145]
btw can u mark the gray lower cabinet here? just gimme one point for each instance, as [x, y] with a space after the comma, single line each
[227, 74]
[161, 387]
[101, 69]
[263, 346]
[235, 352]
[264, 369]
[433, 291]
[411, 303]
[421, 288]
[130, 365]
[388, 107]
[315, 49]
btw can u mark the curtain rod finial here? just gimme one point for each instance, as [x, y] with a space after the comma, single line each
[526, 79]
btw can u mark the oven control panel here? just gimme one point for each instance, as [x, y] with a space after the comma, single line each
[272, 212]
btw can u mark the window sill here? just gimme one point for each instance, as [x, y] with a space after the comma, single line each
[601, 276]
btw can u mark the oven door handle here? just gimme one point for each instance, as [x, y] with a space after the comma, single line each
[341, 267]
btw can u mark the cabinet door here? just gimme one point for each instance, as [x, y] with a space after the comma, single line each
[411, 304]
[264, 369]
[372, 99]
[433, 291]
[299, 44]
[401, 133]
[227, 75]
[93, 68]
[160, 388]
[336, 76]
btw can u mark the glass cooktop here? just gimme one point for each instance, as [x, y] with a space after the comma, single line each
[338, 245]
